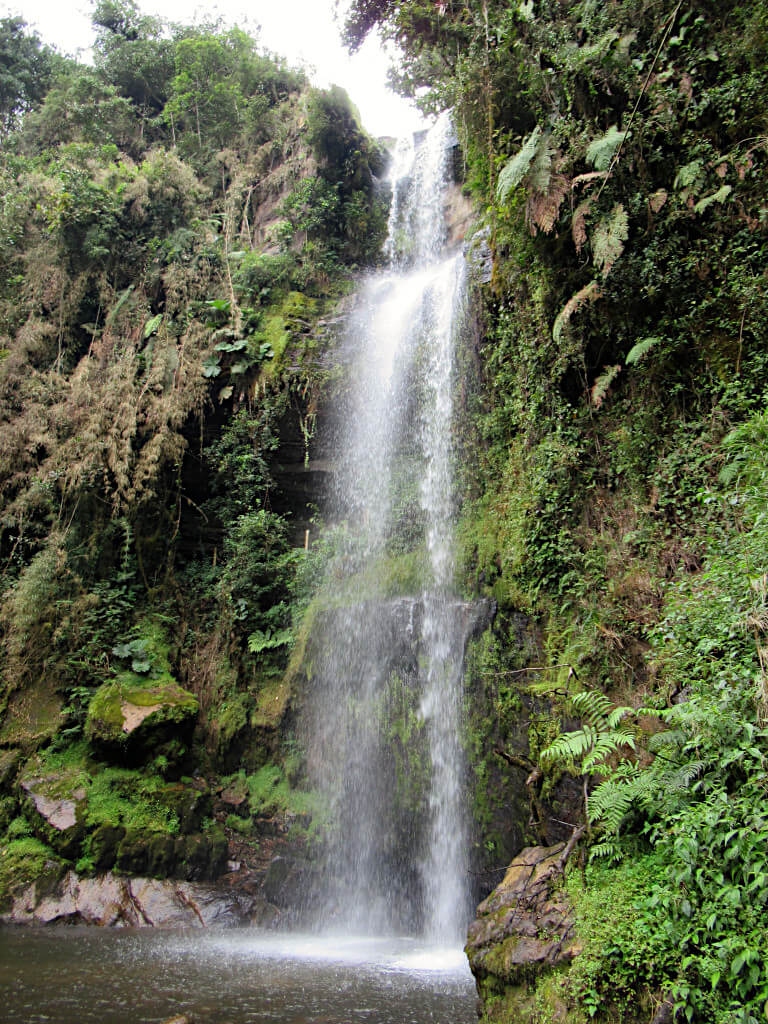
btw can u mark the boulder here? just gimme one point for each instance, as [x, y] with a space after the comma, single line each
[59, 805]
[523, 930]
[136, 714]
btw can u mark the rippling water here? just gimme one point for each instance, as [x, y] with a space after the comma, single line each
[69, 975]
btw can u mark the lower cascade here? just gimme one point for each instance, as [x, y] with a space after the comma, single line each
[382, 725]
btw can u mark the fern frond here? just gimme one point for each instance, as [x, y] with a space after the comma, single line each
[601, 387]
[579, 224]
[717, 197]
[592, 705]
[610, 851]
[588, 293]
[540, 172]
[609, 238]
[615, 716]
[606, 744]
[601, 151]
[516, 169]
[683, 776]
[543, 208]
[570, 745]
[668, 738]
[640, 349]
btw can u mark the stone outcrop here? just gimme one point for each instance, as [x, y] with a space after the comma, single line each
[126, 712]
[110, 900]
[57, 808]
[523, 930]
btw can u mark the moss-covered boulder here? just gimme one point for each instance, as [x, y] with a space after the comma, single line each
[56, 804]
[134, 713]
[522, 935]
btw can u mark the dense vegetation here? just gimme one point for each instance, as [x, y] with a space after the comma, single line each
[619, 151]
[175, 222]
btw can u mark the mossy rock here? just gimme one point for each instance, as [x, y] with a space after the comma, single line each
[160, 855]
[56, 803]
[188, 804]
[9, 764]
[33, 716]
[201, 857]
[132, 712]
[24, 861]
[104, 843]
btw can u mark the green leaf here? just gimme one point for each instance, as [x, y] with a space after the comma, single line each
[717, 197]
[152, 325]
[231, 346]
[264, 640]
[640, 350]
[609, 238]
[211, 367]
[600, 152]
[516, 169]
[689, 174]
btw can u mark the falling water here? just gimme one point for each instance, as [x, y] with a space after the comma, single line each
[384, 721]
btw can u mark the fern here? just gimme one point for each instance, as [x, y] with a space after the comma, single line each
[588, 293]
[602, 385]
[262, 640]
[689, 175]
[717, 197]
[600, 735]
[534, 160]
[579, 224]
[540, 173]
[640, 350]
[609, 238]
[601, 151]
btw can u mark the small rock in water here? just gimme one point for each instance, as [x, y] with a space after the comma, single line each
[183, 1019]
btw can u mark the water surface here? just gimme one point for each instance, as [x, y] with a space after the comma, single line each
[78, 975]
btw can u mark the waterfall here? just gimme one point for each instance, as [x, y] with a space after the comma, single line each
[382, 726]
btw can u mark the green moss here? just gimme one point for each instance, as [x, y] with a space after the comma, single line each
[23, 861]
[110, 708]
[271, 703]
[286, 320]
[119, 796]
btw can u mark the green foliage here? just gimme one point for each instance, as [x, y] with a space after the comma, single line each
[602, 733]
[27, 66]
[515, 170]
[601, 151]
[120, 796]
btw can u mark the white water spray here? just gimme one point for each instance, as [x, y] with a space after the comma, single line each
[384, 719]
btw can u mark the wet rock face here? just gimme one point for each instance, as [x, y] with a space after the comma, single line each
[109, 900]
[523, 929]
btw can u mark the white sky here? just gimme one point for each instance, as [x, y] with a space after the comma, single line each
[303, 31]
